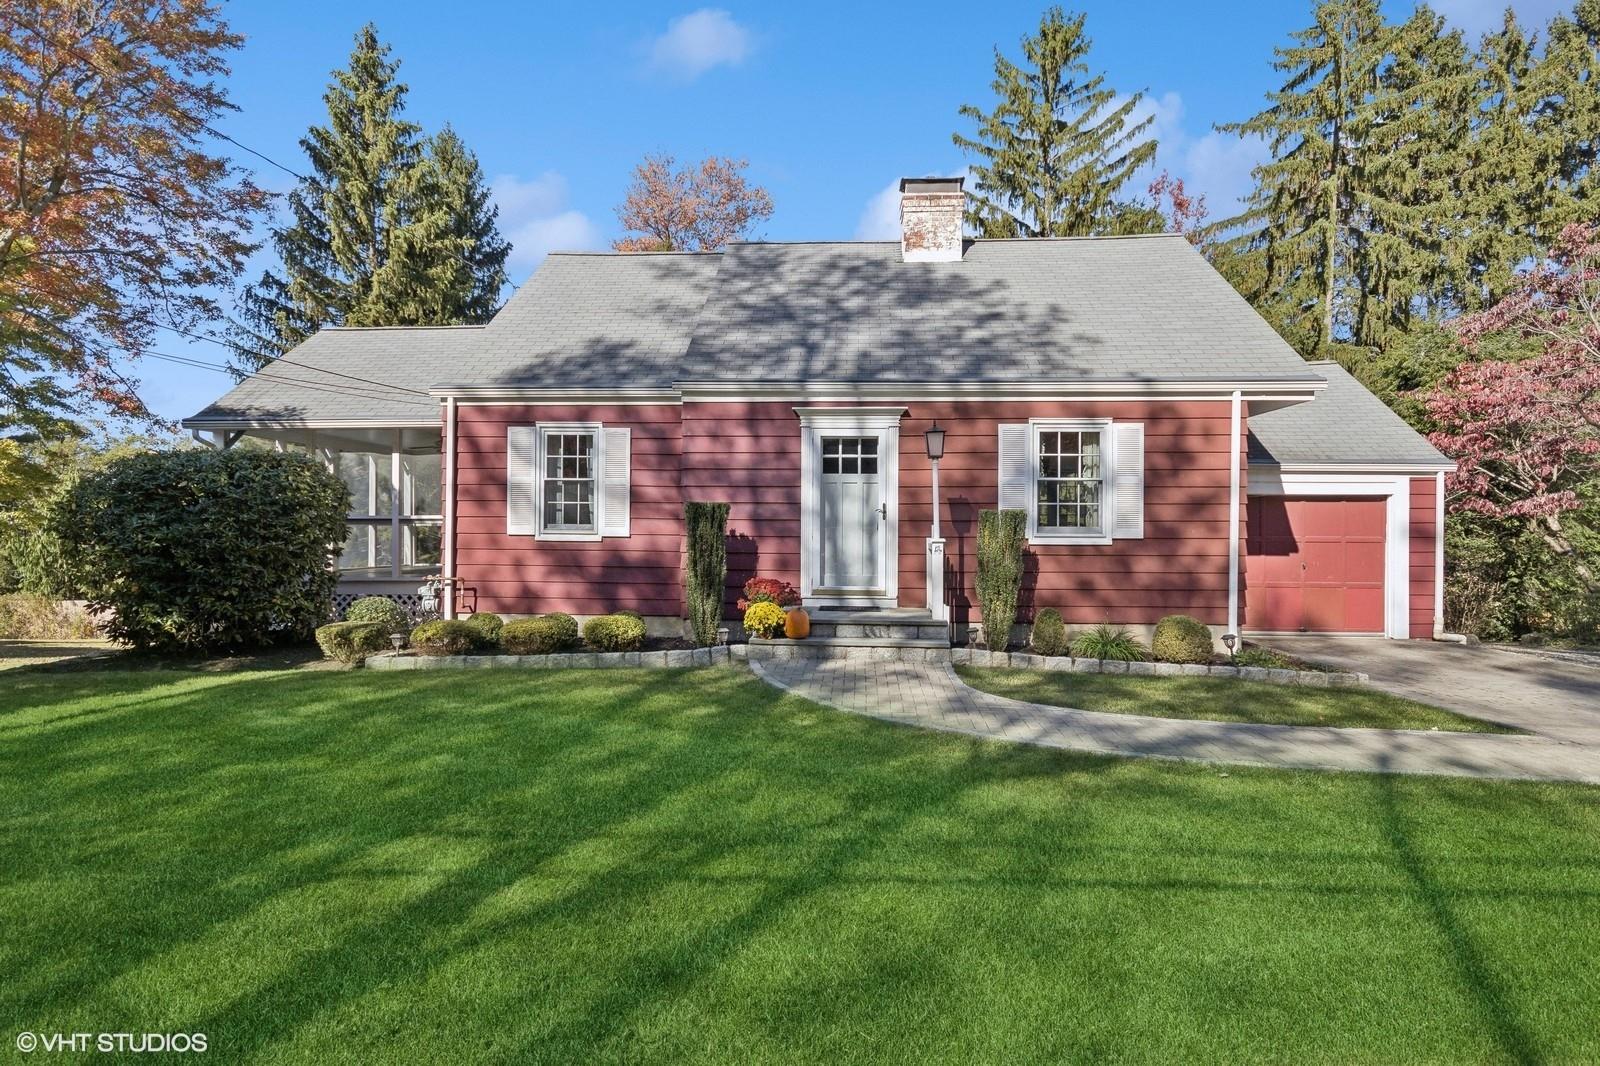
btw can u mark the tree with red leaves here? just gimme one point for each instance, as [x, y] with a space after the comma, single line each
[1184, 213]
[699, 208]
[114, 216]
[1526, 435]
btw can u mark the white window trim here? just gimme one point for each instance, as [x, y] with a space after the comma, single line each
[1396, 489]
[1108, 464]
[596, 465]
[860, 421]
[399, 501]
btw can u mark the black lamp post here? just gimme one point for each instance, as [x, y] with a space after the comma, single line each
[933, 436]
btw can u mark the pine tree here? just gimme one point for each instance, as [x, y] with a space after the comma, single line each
[1502, 194]
[459, 261]
[386, 229]
[1567, 115]
[1297, 221]
[1406, 209]
[1059, 146]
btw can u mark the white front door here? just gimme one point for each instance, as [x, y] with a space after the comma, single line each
[855, 512]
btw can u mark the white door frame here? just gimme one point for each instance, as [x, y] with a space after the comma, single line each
[1396, 489]
[815, 423]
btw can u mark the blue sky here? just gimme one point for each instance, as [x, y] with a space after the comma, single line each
[831, 103]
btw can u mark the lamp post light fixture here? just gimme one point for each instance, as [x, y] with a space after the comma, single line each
[933, 437]
[933, 560]
[398, 640]
[1229, 640]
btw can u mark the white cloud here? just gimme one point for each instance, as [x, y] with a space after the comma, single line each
[1214, 165]
[1475, 17]
[696, 42]
[536, 218]
[880, 221]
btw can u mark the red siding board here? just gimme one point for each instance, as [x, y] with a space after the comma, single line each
[1424, 523]
[748, 454]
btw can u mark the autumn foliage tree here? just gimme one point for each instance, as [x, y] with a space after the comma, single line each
[1526, 434]
[698, 208]
[115, 215]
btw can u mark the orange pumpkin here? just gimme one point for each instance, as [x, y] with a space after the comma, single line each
[797, 624]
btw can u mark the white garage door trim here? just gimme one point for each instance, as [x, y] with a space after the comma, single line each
[1396, 489]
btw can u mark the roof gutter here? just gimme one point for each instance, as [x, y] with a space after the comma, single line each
[308, 423]
[1445, 466]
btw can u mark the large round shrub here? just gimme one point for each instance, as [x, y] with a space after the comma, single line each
[1049, 635]
[540, 636]
[379, 609]
[201, 549]
[1181, 639]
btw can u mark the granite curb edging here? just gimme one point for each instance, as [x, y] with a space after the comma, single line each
[577, 660]
[1067, 664]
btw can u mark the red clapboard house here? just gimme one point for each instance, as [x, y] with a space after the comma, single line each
[1172, 453]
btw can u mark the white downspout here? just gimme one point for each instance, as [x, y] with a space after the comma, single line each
[449, 507]
[1438, 555]
[1234, 422]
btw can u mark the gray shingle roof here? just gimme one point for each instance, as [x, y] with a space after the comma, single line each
[592, 320]
[1344, 424]
[1119, 309]
[300, 390]
[1021, 310]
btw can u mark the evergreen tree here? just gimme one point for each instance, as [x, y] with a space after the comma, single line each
[1507, 176]
[387, 228]
[1059, 146]
[1406, 209]
[1297, 221]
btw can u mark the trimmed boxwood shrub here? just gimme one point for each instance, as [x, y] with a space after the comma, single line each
[540, 636]
[352, 642]
[380, 609]
[446, 636]
[1001, 535]
[614, 632]
[488, 624]
[1049, 633]
[1181, 639]
[200, 549]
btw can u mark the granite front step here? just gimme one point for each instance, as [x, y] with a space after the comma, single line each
[876, 649]
[879, 624]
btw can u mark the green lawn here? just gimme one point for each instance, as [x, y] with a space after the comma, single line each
[656, 866]
[1222, 700]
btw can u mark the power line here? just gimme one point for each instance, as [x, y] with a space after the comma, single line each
[284, 359]
[259, 155]
[299, 383]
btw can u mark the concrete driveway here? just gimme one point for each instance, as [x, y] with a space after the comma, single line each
[1554, 699]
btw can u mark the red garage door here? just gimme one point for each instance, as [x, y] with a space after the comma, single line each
[1314, 565]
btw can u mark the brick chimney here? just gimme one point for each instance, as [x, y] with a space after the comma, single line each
[930, 219]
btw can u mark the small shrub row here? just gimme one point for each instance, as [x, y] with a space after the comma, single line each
[352, 640]
[1178, 639]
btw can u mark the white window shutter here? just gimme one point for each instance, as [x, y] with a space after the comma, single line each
[522, 482]
[1127, 481]
[1016, 468]
[614, 482]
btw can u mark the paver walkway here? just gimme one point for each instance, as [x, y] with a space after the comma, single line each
[931, 696]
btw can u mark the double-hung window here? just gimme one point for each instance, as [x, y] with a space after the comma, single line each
[1080, 480]
[568, 476]
[1070, 486]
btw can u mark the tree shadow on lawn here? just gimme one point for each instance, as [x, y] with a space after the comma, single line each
[469, 810]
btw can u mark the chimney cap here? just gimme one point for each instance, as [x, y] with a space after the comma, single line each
[931, 184]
